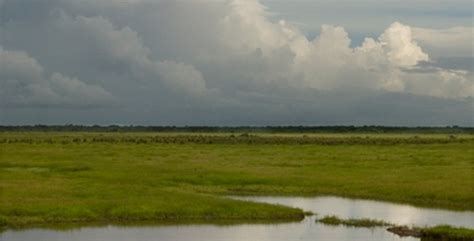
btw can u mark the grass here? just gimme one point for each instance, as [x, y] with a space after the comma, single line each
[439, 233]
[112, 177]
[445, 232]
[365, 223]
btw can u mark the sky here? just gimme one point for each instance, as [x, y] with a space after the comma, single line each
[237, 62]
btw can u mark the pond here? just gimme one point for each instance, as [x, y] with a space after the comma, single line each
[307, 229]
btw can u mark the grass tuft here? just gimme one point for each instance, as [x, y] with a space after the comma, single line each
[366, 223]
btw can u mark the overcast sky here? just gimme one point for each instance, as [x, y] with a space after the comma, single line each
[237, 62]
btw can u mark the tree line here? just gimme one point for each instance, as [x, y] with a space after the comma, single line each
[238, 129]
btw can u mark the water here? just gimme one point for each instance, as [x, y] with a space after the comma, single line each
[305, 230]
[389, 212]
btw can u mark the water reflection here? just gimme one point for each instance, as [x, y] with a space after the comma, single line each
[305, 230]
[393, 213]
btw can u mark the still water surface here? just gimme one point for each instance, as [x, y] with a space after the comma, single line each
[389, 212]
[305, 230]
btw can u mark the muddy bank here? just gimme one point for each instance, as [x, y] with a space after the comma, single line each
[405, 231]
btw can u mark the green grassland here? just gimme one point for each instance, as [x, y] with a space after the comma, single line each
[61, 177]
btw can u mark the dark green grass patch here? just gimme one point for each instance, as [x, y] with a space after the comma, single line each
[366, 223]
[437, 233]
[448, 233]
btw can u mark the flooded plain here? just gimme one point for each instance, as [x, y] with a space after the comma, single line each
[304, 230]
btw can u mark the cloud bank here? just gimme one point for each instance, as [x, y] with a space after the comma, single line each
[25, 84]
[222, 62]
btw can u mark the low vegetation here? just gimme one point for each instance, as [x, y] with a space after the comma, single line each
[366, 223]
[244, 129]
[226, 138]
[60, 177]
[449, 233]
[438, 233]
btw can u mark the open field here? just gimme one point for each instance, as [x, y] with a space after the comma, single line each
[76, 176]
